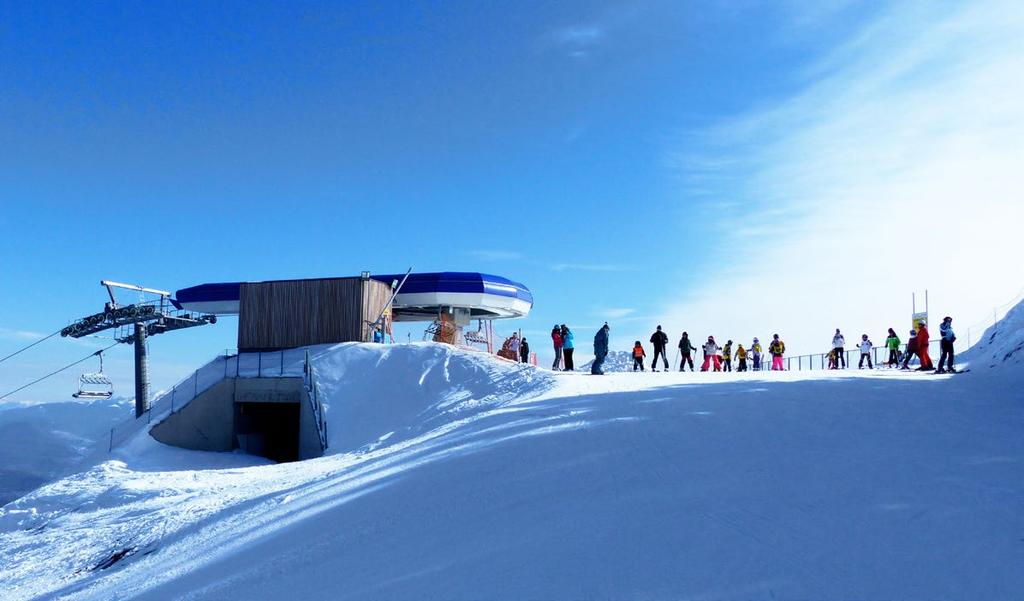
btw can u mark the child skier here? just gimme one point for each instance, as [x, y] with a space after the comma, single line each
[777, 348]
[685, 348]
[893, 344]
[711, 354]
[638, 356]
[741, 356]
[865, 352]
[755, 351]
[911, 349]
[727, 356]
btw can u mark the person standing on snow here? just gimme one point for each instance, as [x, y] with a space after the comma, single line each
[756, 353]
[865, 352]
[567, 348]
[660, 341]
[600, 350]
[893, 344]
[524, 350]
[777, 348]
[685, 348]
[741, 356]
[513, 345]
[922, 348]
[638, 356]
[556, 339]
[946, 346]
[727, 356]
[711, 354]
[838, 344]
[911, 349]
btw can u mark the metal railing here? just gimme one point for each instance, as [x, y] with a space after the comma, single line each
[312, 386]
[820, 360]
[288, 362]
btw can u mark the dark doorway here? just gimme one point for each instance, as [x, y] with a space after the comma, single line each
[270, 430]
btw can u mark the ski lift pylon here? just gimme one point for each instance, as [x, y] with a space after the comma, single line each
[96, 385]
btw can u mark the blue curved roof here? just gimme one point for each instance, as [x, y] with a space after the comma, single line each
[419, 296]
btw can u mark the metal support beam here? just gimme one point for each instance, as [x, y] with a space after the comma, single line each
[141, 371]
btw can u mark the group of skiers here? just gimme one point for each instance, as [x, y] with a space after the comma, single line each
[716, 357]
[917, 346]
[720, 358]
[515, 348]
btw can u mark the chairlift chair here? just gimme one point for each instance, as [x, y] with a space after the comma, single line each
[95, 386]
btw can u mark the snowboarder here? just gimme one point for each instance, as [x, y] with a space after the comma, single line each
[922, 348]
[946, 346]
[685, 348]
[756, 352]
[524, 350]
[838, 344]
[660, 340]
[893, 344]
[711, 354]
[600, 350]
[727, 356]
[777, 348]
[741, 356]
[911, 349]
[556, 339]
[567, 348]
[638, 356]
[865, 352]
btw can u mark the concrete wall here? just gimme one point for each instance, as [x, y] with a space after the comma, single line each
[208, 422]
[205, 424]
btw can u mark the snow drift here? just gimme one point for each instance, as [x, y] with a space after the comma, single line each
[464, 477]
[42, 442]
[1001, 344]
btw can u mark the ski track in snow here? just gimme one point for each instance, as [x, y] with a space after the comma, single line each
[455, 475]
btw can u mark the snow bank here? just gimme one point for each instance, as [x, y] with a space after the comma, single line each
[41, 442]
[393, 392]
[499, 482]
[1001, 344]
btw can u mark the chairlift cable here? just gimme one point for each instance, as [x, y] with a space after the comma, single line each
[29, 346]
[70, 365]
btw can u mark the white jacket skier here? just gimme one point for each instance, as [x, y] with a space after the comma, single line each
[865, 346]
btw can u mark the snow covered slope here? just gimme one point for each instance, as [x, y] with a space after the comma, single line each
[463, 477]
[1001, 344]
[45, 441]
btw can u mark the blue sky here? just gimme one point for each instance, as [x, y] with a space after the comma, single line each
[728, 170]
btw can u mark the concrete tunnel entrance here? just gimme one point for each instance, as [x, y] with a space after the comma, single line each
[269, 430]
[269, 417]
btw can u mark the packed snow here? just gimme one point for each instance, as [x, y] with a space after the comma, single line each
[41, 442]
[456, 475]
[1003, 343]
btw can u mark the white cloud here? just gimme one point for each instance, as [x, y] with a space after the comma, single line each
[20, 334]
[900, 167]
[614, 313]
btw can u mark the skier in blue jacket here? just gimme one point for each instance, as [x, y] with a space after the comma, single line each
[567, 348]
[600, 350]
[946, 346]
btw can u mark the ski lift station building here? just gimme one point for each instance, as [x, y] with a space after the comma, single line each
[281, 417]
[292, 313]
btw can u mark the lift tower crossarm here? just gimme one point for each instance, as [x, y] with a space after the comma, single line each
[110, 285]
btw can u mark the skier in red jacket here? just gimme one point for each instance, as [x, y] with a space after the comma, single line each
[922, 348]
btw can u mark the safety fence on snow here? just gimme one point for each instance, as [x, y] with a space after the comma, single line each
[288, 362]
[879, 356]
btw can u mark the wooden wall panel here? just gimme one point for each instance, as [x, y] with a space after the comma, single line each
[287, 314]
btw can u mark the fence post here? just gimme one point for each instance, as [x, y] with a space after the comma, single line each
[259, 364]
[282, 362]
[195, 391]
